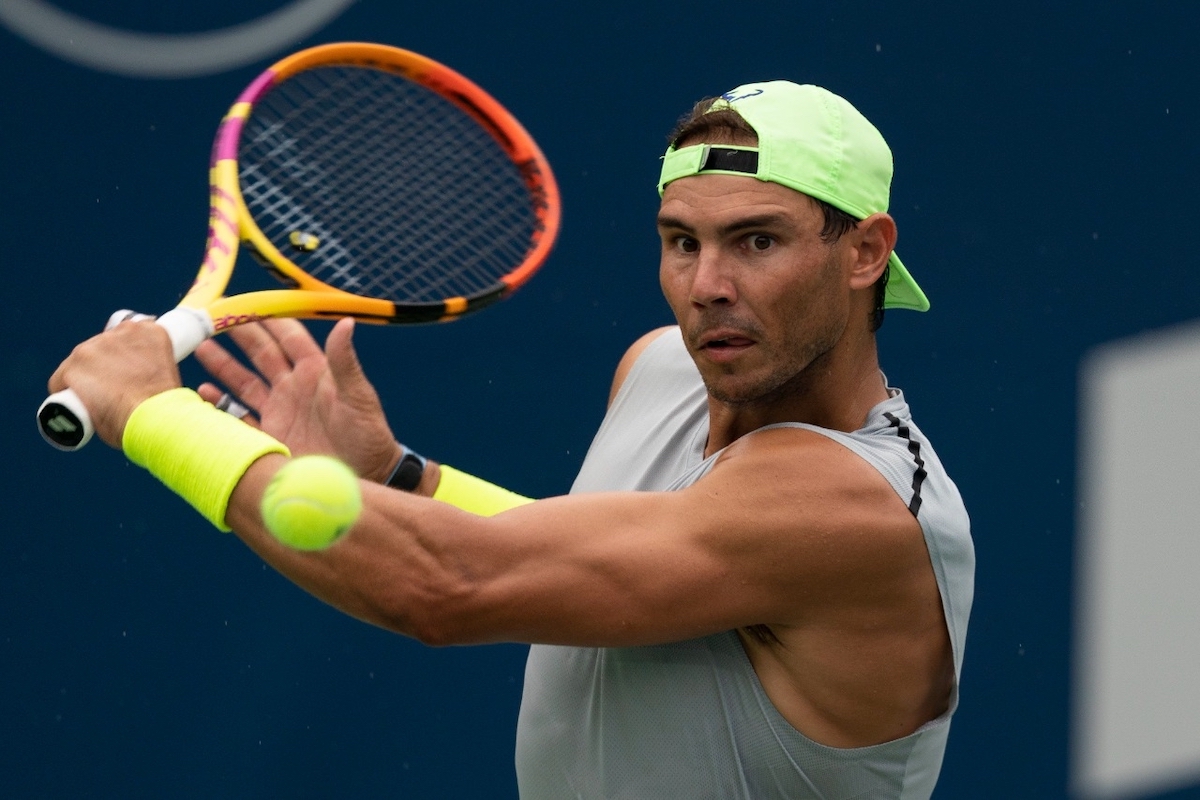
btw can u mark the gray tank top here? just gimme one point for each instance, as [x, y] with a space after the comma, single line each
[690, 719]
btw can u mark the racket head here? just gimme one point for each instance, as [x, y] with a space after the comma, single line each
[382, 176]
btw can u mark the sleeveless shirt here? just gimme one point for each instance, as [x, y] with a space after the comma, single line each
[690, 719]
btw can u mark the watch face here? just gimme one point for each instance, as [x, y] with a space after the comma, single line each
[408, 472]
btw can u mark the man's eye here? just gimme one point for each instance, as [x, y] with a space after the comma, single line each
[687, 244]
[761, 242]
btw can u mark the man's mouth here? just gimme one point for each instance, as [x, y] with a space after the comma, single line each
[721, 345]
[728, 342]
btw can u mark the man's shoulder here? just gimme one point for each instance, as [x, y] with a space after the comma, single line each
[635, 352]
[797, 476]
[797, 453]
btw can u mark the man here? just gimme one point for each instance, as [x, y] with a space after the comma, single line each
[760, 583]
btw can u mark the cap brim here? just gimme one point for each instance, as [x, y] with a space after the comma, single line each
[902, 290]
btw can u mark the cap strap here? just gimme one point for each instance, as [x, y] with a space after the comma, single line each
[697, 158]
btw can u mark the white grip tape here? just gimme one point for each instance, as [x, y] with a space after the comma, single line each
[187, 327]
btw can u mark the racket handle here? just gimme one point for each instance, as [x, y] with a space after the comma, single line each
[62, 418]
[64, 422]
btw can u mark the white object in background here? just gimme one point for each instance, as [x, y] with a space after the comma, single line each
[1136, 693]
[160, 55]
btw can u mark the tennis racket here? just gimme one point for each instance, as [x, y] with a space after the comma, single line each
[373, 183]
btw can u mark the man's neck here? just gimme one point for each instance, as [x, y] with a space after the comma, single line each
[838, 395]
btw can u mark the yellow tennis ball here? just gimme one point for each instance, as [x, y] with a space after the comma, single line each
[311, 501]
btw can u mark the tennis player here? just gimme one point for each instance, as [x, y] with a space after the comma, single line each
[760, 583]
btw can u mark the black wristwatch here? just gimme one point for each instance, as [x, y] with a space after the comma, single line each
[407, 474]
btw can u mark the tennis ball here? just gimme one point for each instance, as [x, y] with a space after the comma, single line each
[311, 501]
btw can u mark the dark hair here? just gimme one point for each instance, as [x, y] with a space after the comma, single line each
[838, 222]
[727, 126]
[723, 126]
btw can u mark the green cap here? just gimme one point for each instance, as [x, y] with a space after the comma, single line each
[815, 142]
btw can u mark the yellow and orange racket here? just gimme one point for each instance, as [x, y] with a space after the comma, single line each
[374, 183]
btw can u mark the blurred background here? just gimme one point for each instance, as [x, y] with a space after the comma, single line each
[1046, 162]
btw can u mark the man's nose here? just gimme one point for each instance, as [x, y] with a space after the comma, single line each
[712, 282]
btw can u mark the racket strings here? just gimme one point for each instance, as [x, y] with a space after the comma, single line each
[405, 196]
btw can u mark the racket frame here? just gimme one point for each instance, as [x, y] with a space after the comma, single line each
[230, 221]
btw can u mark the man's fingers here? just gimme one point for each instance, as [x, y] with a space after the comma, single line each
[226, 402]
[209, 392]
[275, 346]
[343, 361]
[263, 349]
[294, 339]
[228, 371]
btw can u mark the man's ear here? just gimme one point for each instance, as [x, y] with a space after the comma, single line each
[874, 240]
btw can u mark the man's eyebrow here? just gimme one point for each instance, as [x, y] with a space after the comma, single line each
[667, 222]
[674, 223]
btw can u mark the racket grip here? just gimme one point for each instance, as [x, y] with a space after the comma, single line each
[63, 420]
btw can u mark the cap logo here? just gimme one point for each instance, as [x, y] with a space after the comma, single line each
[730, 97]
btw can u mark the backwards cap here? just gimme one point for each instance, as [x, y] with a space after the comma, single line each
[814, 142]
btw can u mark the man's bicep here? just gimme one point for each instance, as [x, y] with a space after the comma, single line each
[820, 527]
[596, 569]
[755, 541]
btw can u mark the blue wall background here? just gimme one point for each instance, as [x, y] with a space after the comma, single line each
[1046, 162]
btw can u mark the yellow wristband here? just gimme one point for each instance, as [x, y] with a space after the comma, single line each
[475, 494]
[200, 453]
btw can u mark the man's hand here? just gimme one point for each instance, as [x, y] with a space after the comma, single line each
[115, 371]
[312, 401]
